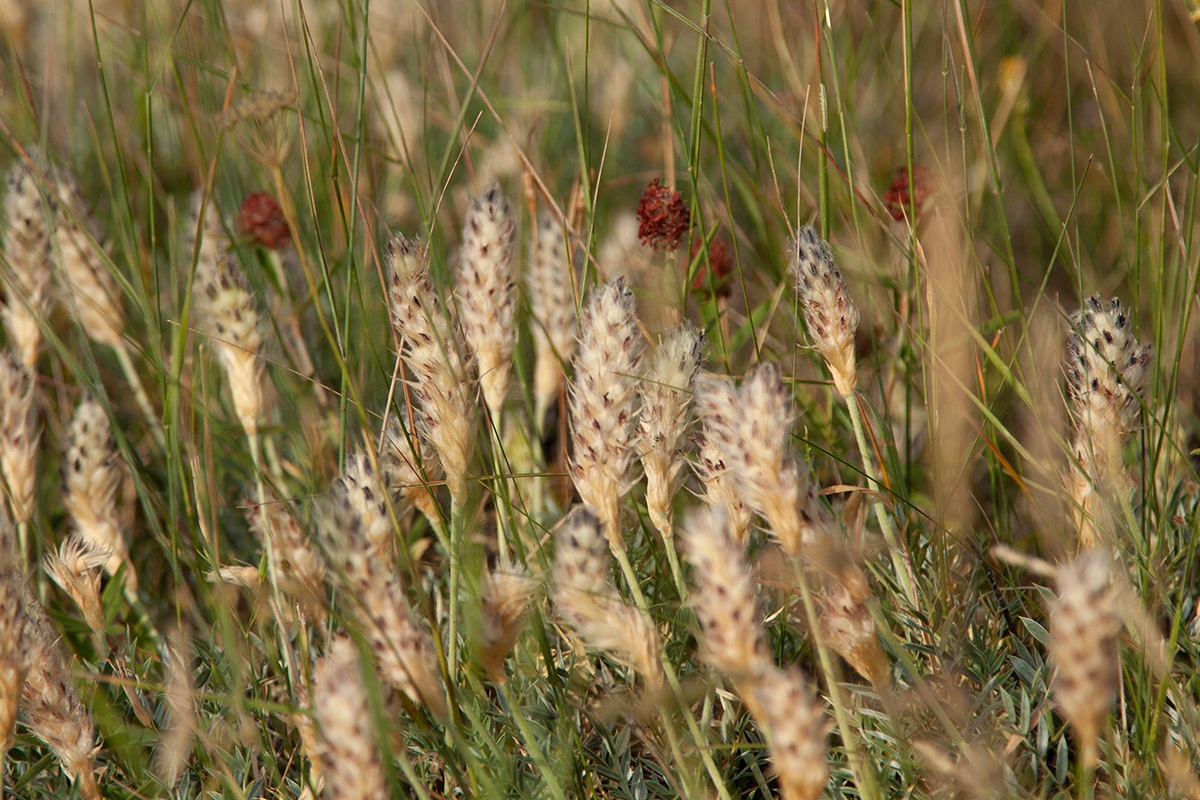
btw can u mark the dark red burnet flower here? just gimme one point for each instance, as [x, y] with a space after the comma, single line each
[905, 190]
[663, 218]
[722, 267]
[261, 218]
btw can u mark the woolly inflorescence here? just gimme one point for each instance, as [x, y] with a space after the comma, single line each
[25, 273]
[485, 291]
[605, 404]
[434, 355]
[587, 601]
[358, 535]
[19, 435]
[747, 442]
[1106, 367]
[797, 730]
[225, 311]
[666, 418]
[75, 567]
[410, 469]
[829, 313]
[505, 604]
[1084, 646]
[348, 755]
[297, 564]
[550, 282]
[14, 641]
[84, 268]
[92, 478]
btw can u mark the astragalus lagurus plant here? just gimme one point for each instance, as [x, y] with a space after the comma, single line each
[15, 645]
[27, 230]
[486, 299]
[605, 405]
[348, 753]
[19, 435]
[432, 350]
[550, 285]
[1107, 370]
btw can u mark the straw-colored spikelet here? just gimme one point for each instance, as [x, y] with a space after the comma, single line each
[485, 292]
[505, 597]
[588, 602]
[349, 759]
[550, 283]
[174, 748]
[92, 477]
[28, 225]
[797, 732]
[226, 313]
[605, 404]
[75, 567]
[1084, 630]
[410, 471]
[52, 708]
[755, 429]
[19, 435]
[434, 355]
[829, 313]
[716, 405]
[847, 625]
[84, 269]
[298, 565]
[14, 643]
[358, 535]
[1106, 371]
[731, 639]
[666, 418]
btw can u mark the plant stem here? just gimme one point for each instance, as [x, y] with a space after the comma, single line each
[139, 394]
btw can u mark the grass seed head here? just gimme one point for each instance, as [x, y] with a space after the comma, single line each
[666, 418]
[1084, 631]
[550, 283]
[605, 404]
[28, 226]
[505, 596]
[485, 291]
[829, 313]
[84, 267]
[350, 760]
[75, 567]
[19, 435]
[716, 445]
[434, 354]
[226, 312]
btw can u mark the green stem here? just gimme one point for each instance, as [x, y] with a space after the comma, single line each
[457, 526]
[139, 394]
[904, 572]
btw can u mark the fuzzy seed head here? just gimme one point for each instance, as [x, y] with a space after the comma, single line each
[92, 475]
[434, 354]
[19, 435]
[1106, 369]
[298, 565]
[27, 227]
[846, 623]
[349, 758]
[829, 313]
[797, 732]
[15, 655]
[485, 291]
[716, 409]
[1084, 631]
[226, 312]
[550, 282]
[587, 600]
[410, 470]
[666, 417]
[731, 639]
[75, 567]
[84, 267]
[605, 404]
[505, 596]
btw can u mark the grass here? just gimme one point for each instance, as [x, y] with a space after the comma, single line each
[1060, 150]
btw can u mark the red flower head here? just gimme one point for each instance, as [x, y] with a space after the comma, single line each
[721, 263]
[262, 220]
[663, 217]
[902, 190]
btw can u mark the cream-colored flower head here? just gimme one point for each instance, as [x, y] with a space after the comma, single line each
[550, 282]
[19, 435]
[347, 748]
[1106, 367]
[666, 418]
[84, 268]
[605, 404]
[225, 310]
[829, 313]
[25, 268]
[434, 354]
[485, 291]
